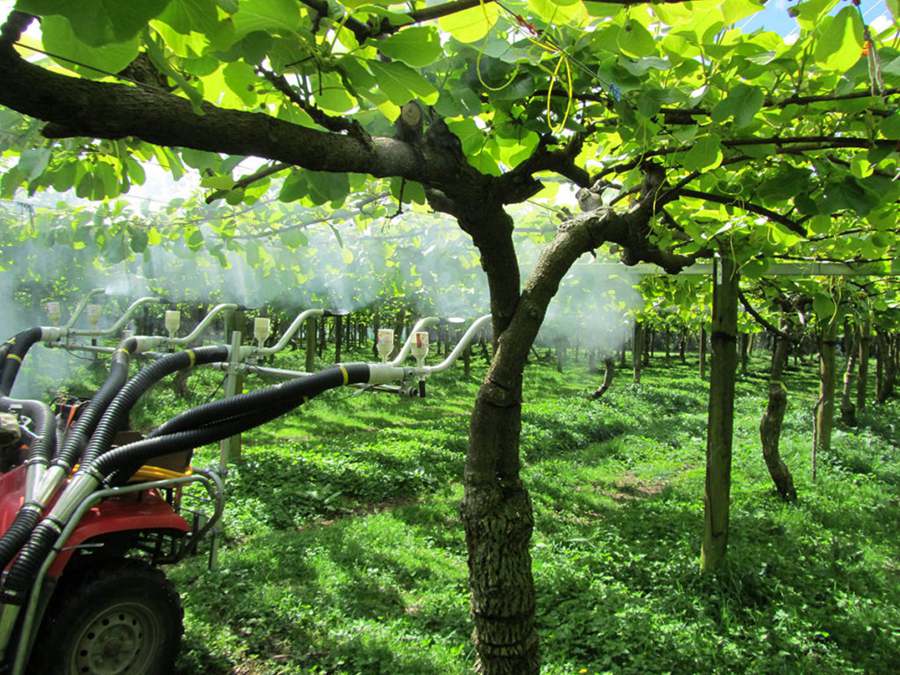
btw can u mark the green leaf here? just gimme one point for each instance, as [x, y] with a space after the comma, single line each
[635, 40]
[139, 240]
[294, 238]
[735, 10]
[59, 38]
[706, 153]
[860, 168]
[824, 307]
[848, 193]
[99, 22]
[808, 14]
[241, 79]
[402, 84]
[327, 187]
[186, 16]
[294, 187]
[471, 24]
[742, 103]
[840, 43]
[266, 15]
[417, 46]
[32, 162]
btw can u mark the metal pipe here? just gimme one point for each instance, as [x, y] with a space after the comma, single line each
[81, 305]
[28, 623]
[464, 342]
[203, 325]
[421, 325]
[112, 330]
[290, 332]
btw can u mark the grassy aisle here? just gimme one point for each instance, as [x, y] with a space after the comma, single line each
[346, 553]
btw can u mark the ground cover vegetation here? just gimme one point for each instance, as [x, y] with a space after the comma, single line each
[689, 139]
[344, 551]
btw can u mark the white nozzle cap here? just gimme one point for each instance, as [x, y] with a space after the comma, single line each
[420, 345]
[54, 312]
[93, 314]
[262, 329]
[385, 342]
[172, 321]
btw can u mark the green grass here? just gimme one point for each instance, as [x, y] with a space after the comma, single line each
[345, 553]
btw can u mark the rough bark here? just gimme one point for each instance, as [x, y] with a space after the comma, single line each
[637, 350]
[310, 344]
[862, 380]
[848, 410]
[609, 371]
[885, 372]
[720, 426]
[772, 419]
[745, 352]
[825, 406]
[702, 349]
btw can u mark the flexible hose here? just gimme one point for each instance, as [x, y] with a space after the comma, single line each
[41, 448]
[80, 433]
[17, 348]
[26, 519]
[24, 570]
[115, 417]
[351, 373]
[21, 575]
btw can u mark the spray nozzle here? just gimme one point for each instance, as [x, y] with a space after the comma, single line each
[93, 314]
[262, 329]
[420, 347]
[385, 343]
[54, 312]
[337, 312]
[172, 321]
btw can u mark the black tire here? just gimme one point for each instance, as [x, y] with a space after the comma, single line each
[120, 618]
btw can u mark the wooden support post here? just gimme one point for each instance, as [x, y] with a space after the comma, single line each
[825, 404]
[310, 344]
[702, 352]
[720, 426]
[637, 349]
[230, 448]
[338, 337]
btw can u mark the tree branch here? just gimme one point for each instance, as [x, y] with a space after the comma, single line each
[358, 28]
[81, 107]
[249, 179]
[318, 116]
[760, 319]
[809, 143]
[561, 161]
[774, 216]
[11, 30]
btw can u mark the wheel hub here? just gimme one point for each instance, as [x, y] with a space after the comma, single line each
[119, 640]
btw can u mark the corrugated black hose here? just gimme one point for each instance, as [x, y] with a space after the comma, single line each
[17, 348]
[115, 417]
[292, 394]
[81, 432]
